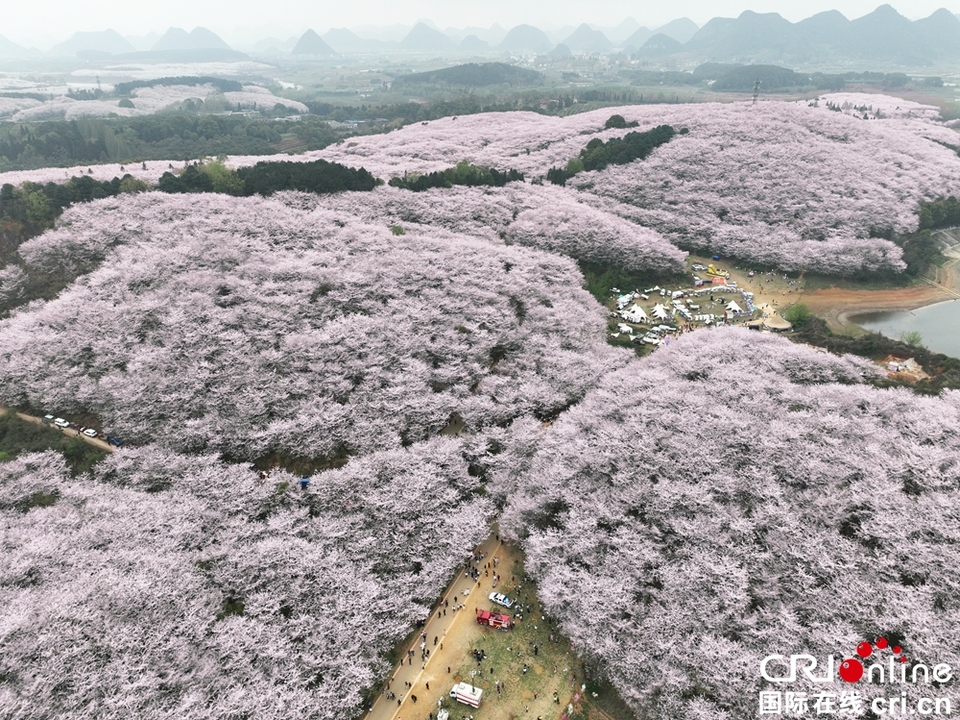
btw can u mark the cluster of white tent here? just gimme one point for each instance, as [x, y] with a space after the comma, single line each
[664, 313]
[637, 314]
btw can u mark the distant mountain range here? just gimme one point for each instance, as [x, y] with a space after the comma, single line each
[521, 39]
[881, 37]
[177, 45]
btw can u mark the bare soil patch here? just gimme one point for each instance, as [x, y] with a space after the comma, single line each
[908, 369]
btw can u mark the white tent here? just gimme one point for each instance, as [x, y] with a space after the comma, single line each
[732, 307]
[660, 312]
[635, 314]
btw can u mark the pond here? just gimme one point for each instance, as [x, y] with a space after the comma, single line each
[938, 325]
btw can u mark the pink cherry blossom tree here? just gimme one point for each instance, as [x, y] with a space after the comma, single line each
[735, 496]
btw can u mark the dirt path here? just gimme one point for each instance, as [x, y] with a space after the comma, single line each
[444, 654]
[70, 432]
[555, 673]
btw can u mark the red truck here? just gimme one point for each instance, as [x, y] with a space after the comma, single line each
[494, 619]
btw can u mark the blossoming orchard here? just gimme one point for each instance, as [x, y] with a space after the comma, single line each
[327, 400]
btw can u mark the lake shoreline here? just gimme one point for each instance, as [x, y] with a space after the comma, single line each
[841, 307]
[935, 326]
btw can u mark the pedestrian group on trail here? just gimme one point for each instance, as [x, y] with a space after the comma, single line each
[473, 570]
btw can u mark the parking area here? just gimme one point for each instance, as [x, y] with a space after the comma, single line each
[88, 435]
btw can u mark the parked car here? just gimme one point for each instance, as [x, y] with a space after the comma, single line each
[90, 432]
[61, 423]
[501, 599]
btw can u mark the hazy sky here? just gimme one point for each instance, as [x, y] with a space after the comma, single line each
[44, 22]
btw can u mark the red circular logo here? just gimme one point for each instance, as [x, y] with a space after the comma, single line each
[851, 670]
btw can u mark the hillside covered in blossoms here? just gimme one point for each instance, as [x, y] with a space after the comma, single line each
[735, 497]
[787, 184]
[434, 362]
[784, 184]
[253, 326]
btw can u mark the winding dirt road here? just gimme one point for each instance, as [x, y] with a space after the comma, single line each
[70, 432]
